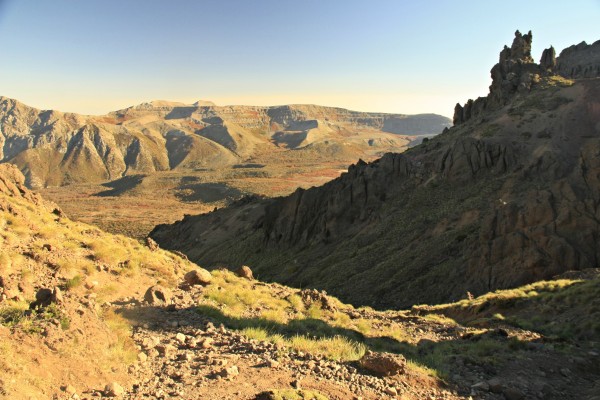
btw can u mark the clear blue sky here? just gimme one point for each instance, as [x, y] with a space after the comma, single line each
[378, 55]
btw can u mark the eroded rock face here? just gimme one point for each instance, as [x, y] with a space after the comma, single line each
[580, 61]
[516, 72]
[488, 205]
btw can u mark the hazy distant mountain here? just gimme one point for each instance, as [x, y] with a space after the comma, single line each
[55, 148]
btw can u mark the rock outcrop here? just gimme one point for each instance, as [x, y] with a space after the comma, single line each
[548, 60]
[507, 201]
[579, 61]
[516, 72]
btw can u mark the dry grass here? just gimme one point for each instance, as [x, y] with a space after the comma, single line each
[38, 246]
[122, 350]
[567, 308]
[336, 348]
[255, 310]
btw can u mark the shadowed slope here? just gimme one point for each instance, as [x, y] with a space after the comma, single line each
[509, 196]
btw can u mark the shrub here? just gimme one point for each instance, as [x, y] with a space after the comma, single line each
[73, 282]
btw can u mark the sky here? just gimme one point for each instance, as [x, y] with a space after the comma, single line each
[409, 57]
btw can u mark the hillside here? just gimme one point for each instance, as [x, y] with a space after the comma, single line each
[506, 197]
[85, 314]
[71, 272]
[53, 148]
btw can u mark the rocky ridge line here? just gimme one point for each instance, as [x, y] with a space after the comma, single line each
[516, 72]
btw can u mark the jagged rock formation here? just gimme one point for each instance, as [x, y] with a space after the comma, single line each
[53, 148]
[580, 61]
[516, 72]
[489, 204]
[548, 60]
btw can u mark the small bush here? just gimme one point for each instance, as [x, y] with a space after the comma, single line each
[296, 303]
[314, 311]
[11, 313]
[74, 282]
[336, 348]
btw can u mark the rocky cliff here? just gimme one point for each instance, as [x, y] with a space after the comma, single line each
[53, 148]
[503, 199]
[516, 72]
[579, 61]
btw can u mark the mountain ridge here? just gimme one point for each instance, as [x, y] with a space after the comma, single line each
[506, 197]
[55, 148]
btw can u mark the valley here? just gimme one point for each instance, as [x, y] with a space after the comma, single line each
[506, 197]
[195, 251]
[154, 162]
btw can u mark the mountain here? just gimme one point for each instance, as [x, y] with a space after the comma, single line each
[86, 314]
[53, 148]
[509, 195]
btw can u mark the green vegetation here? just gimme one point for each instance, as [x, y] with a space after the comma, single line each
[543, 96]
[18, 315]
[73, 282]
[554, 308]
[277, 315]
[252, 308]
[12, 312]
[122, 350]
[555, 81]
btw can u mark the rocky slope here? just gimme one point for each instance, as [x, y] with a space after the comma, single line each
[55, 276]
[54, 148]
[510, 195]
[85, 314]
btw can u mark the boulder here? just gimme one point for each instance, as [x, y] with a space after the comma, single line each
[180, 337]
[244, 272]
[157, 295]
[43, 297]
[113, 389]
[166, 350]
[89, 284]
[383, 363]
[512, 393]
[495, 385]
[229, 372]
[151, 244]
[57, 296]
[198, 276]
[483, 386]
